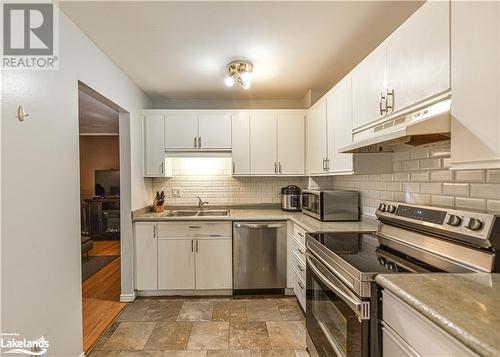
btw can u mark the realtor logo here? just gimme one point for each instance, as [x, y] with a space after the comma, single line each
[29, 36]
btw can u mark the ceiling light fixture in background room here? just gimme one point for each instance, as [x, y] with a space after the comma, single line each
[239, 71]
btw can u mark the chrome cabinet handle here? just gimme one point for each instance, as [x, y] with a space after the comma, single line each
[161, 167]
[197, 246]
[194, 226]
[300, 267]
[276, 168]
[279, 167]
[192, 246]
[234, 167]
[389, 104]
[301, 285]
[155, 231]
[327, 164]
[300, 234]
[301, 251]
[381, 100]
[323, 164]
[194, 142]
[199, 141]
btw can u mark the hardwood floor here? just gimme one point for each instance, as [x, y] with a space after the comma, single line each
[101, 295]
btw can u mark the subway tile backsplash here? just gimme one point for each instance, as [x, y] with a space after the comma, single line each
[421, 176]
[210, 178]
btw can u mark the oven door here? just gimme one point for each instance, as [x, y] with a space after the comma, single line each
[337, 320]
[311, 203]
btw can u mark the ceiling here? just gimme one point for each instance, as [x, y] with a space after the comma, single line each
[95, 117]
[180, 49]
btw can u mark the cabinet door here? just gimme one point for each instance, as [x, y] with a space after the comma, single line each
[291, 127]
[368, 82]
[339, 124]
[418, 55]
[214, 131]
[316, 139]
[263, 143]
[154, 145]
[475, 74]
[181, 131]
[146, 266]
[240, 130]
[176, 263]
[214, 259]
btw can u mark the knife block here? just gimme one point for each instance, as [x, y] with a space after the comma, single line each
[157, 207]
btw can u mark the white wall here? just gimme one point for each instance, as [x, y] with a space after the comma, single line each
[40, 258]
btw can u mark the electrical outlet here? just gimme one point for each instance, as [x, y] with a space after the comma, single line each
[176, 192]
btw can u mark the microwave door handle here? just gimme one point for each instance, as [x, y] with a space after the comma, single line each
[363, 313]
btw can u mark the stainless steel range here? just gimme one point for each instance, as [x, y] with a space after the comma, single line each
[342, 309]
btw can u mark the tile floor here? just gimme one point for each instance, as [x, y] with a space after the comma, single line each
[207, 327]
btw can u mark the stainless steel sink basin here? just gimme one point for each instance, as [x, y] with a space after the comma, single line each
[213, 213]
[197, 213]
[181, 213]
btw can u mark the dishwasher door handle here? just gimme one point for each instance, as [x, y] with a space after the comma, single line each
[259, 226]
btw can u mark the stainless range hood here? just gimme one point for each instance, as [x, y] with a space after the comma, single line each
[422, 124]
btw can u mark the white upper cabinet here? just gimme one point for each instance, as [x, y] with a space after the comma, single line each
[155, 163]
[368, 86]
[316, 139]
[291, 146]
[475, 78]
[181, 131]
[263, 136]
[339, 124]
[410, 66]
[241, 143]
[214, 131]
[418, 56]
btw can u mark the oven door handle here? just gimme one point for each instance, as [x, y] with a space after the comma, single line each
[361, 308]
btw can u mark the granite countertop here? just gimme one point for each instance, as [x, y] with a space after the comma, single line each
[270, 214]
[467, 306]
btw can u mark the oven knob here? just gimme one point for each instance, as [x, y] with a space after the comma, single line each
[391, 209]
[391, 266]
[474, 224]
[382, 261]
[381, 207]
[454, 221]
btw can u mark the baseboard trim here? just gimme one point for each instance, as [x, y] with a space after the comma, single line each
[128, 297]
[214, 292]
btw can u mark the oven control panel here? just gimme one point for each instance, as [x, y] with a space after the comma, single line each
[476, 225]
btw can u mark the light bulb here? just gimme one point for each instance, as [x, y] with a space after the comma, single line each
[245, 76]
[229, 81]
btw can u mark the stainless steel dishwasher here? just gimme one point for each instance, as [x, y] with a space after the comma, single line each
[259, 256]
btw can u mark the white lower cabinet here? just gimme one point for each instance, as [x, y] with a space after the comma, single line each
[214, 263]
[296, 261]
[406, 332]
[183, 255]
[176, 264]
[146, 263]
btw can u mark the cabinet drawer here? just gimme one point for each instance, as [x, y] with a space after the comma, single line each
[299, 250]
[299, 267]
[194, 228]
[421, 334]
[300, 234]
[299, 288]
[394, 346]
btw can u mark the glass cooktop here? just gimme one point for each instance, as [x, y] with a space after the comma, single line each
[363, 252]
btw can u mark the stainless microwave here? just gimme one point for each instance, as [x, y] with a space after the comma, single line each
[333, 205]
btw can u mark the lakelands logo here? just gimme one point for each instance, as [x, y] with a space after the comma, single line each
[30, 38]
[10, 343]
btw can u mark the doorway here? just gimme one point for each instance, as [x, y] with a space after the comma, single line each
[100, 207]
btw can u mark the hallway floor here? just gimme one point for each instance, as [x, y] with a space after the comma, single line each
[207, 327]
[101, 295]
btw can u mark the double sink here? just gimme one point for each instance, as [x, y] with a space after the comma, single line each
[198, 213]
